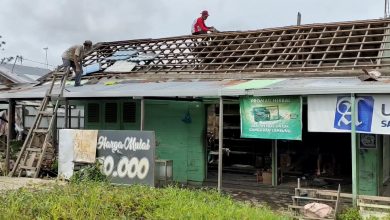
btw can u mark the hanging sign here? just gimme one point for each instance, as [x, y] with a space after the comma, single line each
[276, 117]
[333, 114]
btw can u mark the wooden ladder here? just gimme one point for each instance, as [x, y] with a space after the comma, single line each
[33, 151]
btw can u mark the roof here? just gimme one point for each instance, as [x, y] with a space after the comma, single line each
[22, 74]
[210, 89]
[314, 50]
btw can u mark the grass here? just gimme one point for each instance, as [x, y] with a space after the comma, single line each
[93, 200]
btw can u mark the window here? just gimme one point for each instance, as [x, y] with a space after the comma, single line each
[93, 112]
[111, 110]
[129, 112]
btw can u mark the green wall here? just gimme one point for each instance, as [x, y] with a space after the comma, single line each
[371, 168]
[179, 141]
[175, 139]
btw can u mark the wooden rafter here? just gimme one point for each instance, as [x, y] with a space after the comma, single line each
[316, 47]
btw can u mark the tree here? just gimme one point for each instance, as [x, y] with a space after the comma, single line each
[4, 59]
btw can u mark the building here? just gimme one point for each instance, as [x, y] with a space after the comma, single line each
[175, 87]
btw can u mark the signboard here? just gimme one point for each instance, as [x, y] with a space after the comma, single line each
[333, 114]
[277, 117]
[367, 141]
[128, 156]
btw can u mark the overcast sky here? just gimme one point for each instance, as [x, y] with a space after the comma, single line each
[28, 26]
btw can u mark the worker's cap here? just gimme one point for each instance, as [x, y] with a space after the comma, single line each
[87, 43]
[205, 12]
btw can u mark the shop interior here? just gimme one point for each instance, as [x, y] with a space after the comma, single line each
[321, 159]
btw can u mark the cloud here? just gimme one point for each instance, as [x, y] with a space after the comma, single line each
[29, 26]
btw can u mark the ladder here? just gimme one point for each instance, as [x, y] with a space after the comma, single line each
[33, 150]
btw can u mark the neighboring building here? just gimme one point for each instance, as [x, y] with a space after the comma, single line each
[18, 74]
[181, 80]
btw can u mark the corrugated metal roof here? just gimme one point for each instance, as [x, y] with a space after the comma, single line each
[313, 86]
[22, 74]
[266, 87]
[126, 89]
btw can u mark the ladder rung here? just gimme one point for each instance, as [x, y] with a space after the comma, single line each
[40, 130]
[46, 113]
[59, 73]
[34, 149]
[27, 167]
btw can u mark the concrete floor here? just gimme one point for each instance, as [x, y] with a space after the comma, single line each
[244, 187]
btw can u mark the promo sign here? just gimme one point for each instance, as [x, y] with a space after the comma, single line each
[128, 156]
[276, 117]
[333, 114]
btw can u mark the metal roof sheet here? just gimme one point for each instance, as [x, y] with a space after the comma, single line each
[314, 86]
[125, 89]
[266, 87]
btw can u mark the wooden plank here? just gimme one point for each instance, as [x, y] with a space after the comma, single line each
[313, 199]
[369, 205]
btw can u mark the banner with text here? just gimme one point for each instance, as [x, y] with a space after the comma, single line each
[328, 113]
[277, 117]
[127, 156]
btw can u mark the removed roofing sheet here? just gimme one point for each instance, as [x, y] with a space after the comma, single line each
[120, 66]
[95, 67]
[143, 57]
[122, 54]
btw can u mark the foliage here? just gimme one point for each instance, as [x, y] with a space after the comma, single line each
[4, 59]
[89, 173]
[96, 200]
[15, 146]
[350, 214]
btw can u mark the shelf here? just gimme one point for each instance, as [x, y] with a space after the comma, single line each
[232, 127]
[229, 114]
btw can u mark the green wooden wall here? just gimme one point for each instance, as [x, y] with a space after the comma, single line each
[177, 139]
[371, 169]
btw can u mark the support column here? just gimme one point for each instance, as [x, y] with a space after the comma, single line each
[355, 178]
[10, 133]
[274, 162]
[70, 116]
[66, 106]
[220, 144]
[142, 123]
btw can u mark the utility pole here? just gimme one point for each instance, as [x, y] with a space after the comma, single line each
[47, 64]
[386, 14]
[299, 18]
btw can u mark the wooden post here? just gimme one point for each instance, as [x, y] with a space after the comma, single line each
[11, 132]
[355, 180]
[66, 106]
[142, 123]
[274, 162]
[220, 144]
[70, 116]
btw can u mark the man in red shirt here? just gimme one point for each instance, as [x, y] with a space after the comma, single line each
[199, 27]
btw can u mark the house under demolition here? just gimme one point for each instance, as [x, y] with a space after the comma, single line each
[176, 87]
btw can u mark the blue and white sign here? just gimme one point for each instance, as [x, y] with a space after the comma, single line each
[333, 114]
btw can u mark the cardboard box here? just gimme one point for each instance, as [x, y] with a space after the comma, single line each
[267, 177]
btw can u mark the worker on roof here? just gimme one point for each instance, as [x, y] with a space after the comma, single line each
[199, 26]
[73, 57]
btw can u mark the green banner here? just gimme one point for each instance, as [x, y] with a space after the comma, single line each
[276, 117]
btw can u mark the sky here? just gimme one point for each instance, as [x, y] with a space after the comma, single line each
[29, 26]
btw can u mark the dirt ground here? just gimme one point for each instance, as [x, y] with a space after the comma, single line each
[12, 183]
